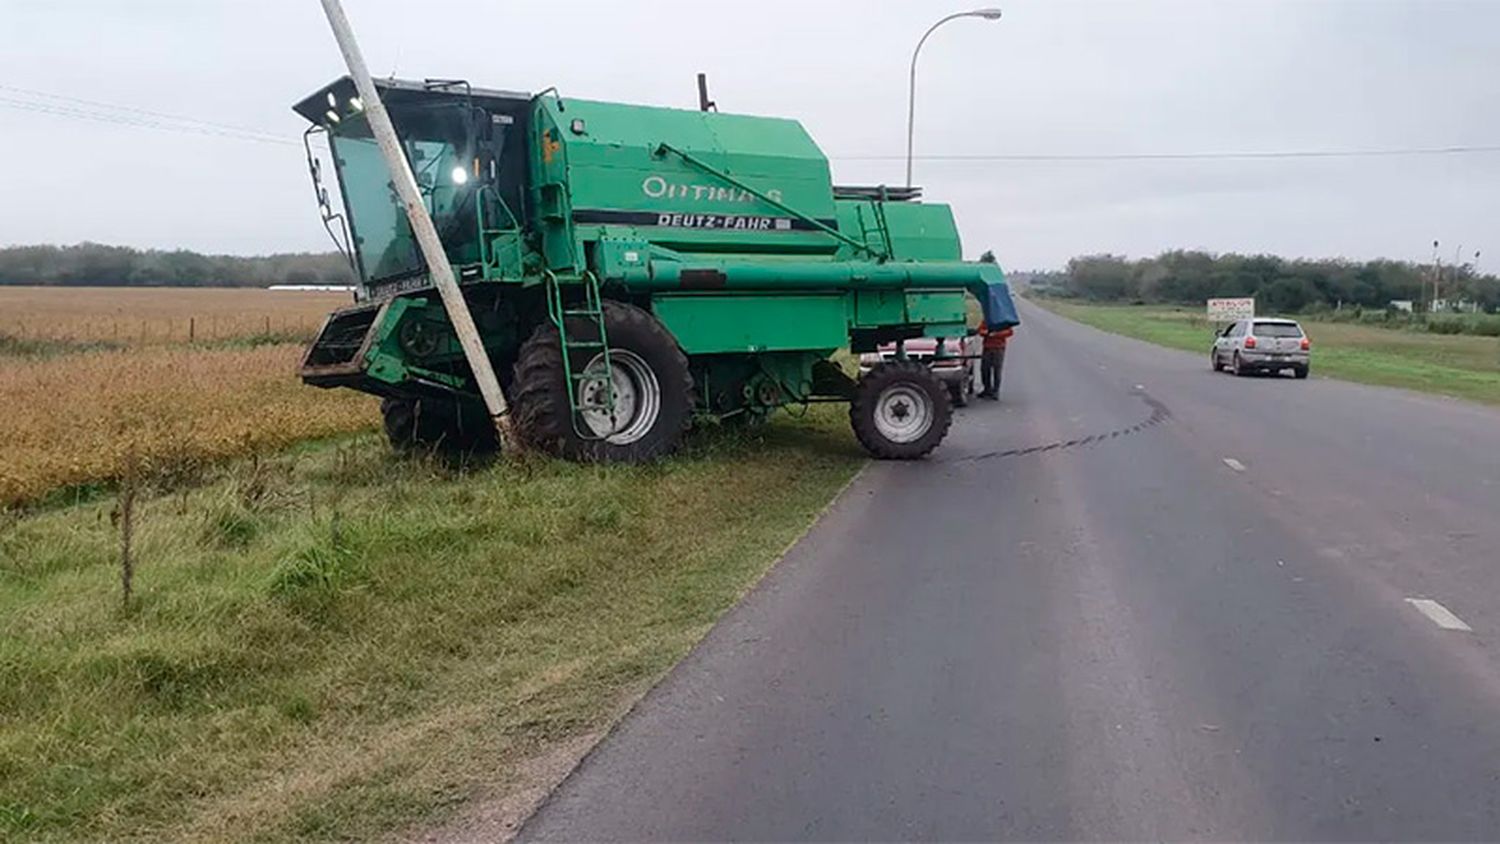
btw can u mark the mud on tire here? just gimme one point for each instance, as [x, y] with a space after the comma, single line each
[900, 411]
[648, 365]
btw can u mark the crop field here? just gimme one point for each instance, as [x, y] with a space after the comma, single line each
[133, 316]
[82, 406]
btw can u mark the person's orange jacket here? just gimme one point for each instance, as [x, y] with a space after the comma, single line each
[995, 339]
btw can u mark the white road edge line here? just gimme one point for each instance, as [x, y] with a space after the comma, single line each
[1439, 614]
[1234, 464]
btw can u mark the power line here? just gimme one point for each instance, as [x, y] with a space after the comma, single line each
[129, 116]
[123, 120]
[106, 112]
[228, 127]
[1188, 156]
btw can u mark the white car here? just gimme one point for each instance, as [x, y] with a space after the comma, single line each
[957, 368]
[1262, 345]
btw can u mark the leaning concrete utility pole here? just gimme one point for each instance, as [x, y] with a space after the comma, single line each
[405, 184]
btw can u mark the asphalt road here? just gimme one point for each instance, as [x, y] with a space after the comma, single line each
[1134, 600]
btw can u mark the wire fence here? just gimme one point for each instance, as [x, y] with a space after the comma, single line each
[191, 329]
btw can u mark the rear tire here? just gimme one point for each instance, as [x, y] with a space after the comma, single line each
[451, 427]
[653, 390]
[900, 411]
[1299, 372]
[1213, 361]
[1237, 367]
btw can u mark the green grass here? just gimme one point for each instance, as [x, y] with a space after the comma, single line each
[1461, 366]
[27, 347]
[333, 643]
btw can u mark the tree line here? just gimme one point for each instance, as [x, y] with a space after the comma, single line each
[1278, 284]
[95, 264]
[1181, 277]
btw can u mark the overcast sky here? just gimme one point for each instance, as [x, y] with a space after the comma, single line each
[1052, 77]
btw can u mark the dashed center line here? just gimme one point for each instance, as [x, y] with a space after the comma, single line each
[1234, 464]
[1439, 614]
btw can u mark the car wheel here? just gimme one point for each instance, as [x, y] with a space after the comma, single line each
[1237, 367]
[1299, 372]
[959, 395]
[1213, 361]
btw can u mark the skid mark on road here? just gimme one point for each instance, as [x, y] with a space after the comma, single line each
[1159, 414]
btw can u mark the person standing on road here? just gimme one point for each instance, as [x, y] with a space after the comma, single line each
[992, 360]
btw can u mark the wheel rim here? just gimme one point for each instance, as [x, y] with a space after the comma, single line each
[637, 395]
[903, 413]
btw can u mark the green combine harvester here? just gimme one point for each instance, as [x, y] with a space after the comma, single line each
[629, 268]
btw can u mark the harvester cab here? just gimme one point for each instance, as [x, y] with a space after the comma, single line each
[467, 151]
[629, 268]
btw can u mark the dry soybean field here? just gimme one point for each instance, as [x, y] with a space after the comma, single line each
[95, 380]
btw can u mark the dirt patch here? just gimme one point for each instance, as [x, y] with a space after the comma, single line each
[498, 817]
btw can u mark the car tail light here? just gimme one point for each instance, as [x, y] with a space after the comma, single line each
[1249, 342]
[1306, 344]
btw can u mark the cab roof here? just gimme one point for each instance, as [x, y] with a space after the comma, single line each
[315, 105]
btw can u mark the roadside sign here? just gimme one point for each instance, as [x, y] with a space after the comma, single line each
[1229, 310]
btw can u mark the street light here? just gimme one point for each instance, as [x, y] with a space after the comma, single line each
[911, 106]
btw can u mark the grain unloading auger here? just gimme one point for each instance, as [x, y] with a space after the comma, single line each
[628, 268]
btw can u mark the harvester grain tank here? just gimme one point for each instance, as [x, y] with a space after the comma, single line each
[630, 268]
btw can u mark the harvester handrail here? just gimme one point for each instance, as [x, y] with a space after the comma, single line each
[761, 195]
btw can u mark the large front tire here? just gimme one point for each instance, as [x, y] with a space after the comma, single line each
[447, 427]
[900, 411]
[649, 379]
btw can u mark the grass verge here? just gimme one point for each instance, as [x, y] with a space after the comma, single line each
[333, 643]
[1460, 366]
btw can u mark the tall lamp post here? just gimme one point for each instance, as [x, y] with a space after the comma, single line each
[911, 105]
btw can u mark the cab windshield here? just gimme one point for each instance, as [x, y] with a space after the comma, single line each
[440, 149]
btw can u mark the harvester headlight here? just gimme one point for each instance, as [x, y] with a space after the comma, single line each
[333, 116]
[333, 102]
[460, 175]
[356, 103]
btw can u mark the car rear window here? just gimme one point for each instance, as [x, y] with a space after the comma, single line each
[1277, 329]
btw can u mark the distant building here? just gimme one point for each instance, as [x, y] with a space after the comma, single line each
[1453, 306]
[1401, 305]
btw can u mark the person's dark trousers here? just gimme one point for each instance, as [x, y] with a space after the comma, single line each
[990, 365]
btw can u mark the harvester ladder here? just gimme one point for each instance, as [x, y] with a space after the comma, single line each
[877, 234]
[590, 308]
[884, 226]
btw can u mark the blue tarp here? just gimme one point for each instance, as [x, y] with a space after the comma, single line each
[999, 308]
